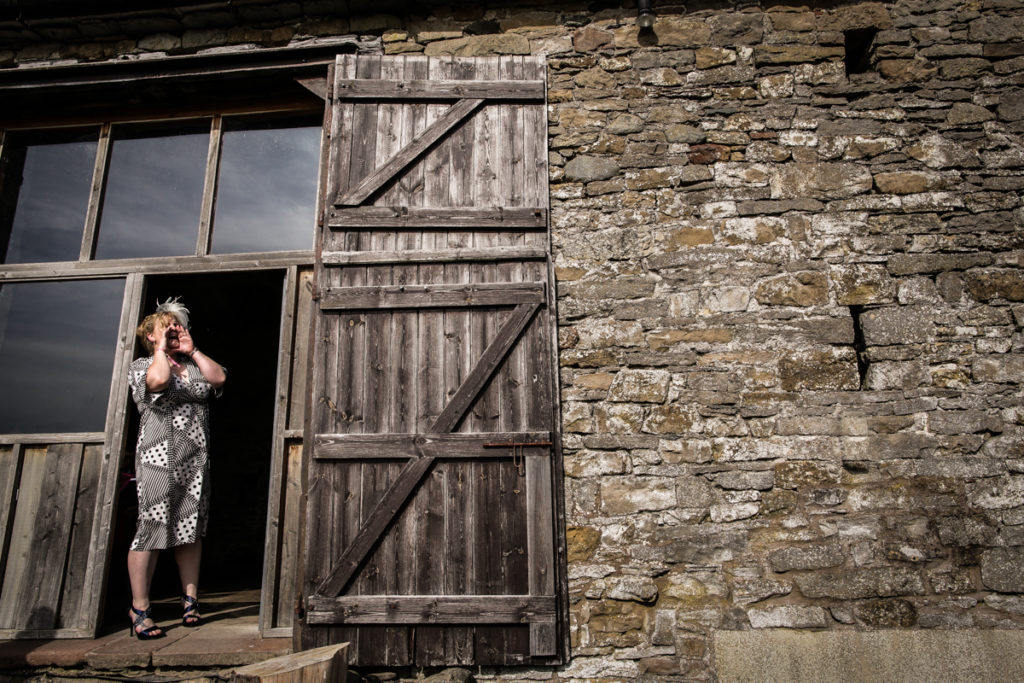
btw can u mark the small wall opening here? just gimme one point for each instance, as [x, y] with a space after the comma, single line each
[859, 345]
[858, 43]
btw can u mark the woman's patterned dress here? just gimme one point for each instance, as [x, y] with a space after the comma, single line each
[172, 465]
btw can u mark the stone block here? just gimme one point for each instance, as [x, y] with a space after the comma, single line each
[755, 589]
[963, 422]
[998, 368]
[815, 556]
[629, 495]
[588, 169]
[935, 151]
[897, 325]
[670, 419]
[838, 180]
[911, 264]
[1002, 569]
[834, 369]
[581, 542]
[863, 284]
[788, 616]
[731, 512]
[803, 289]
[886, 613]
[745, 480]
[805, 474]
[475, 46]
[856, 584]
[995, 284]
[795, 54]
[642, 386]
[604, 332]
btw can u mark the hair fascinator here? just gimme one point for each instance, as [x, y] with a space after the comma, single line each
[175, 308]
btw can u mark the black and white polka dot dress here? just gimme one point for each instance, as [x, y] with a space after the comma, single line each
[172, 466]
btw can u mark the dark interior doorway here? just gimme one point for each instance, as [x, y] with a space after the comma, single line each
[235, 319]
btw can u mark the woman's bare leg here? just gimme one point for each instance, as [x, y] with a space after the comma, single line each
[141, 566]
[188, 557]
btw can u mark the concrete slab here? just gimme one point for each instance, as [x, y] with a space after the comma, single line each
[894, 656]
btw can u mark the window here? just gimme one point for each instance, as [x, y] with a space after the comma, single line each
[57, 347]
[154, 192]
[52, 195]
[160, 192]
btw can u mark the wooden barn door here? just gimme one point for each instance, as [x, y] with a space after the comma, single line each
[433, 531]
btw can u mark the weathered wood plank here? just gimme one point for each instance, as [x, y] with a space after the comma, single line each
[74, 608]
[450, 445]
[438, 217]
[490, 254]
[375, 180]
[384, 89]
[64, 437]
[432, 296]
[431, 609]
[324, 665]
[10, 476]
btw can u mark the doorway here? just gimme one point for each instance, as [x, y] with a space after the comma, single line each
[235, 319]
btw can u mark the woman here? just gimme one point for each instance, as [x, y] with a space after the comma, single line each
[170, 388]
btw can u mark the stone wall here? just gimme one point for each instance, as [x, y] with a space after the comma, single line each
[789, 242]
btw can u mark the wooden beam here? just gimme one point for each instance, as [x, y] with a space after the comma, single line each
[203, 241]
[351, 258]
[431, 609]
[442, 218]
[315, 84]
[363, 88]
[432, 296]
[451, 445]
[99, 181]
[373, 182]
[63, 437]
[26, 272]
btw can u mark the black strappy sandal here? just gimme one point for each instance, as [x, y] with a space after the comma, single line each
[136, 629]
[191, 618]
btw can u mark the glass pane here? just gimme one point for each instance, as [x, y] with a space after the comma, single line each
[154, 193]
[266, 192]
[57, 347]
[49, 214]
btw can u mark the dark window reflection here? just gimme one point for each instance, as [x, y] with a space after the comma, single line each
[266, 192]
[154, 192]
[55, 174]
[57, 345]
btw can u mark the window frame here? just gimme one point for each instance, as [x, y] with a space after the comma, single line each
[202, 257]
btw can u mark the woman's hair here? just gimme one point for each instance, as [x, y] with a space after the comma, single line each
[167, 312]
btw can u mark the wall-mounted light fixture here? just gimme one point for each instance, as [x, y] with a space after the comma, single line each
[645, 14]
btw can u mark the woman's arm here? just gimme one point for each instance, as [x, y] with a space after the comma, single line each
[158, 376]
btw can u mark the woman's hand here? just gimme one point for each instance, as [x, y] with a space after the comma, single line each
[185, 343]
